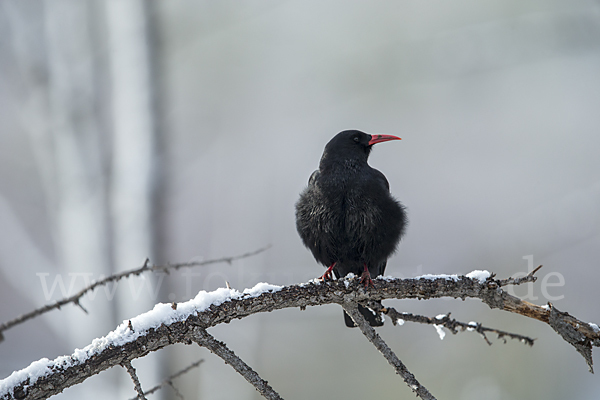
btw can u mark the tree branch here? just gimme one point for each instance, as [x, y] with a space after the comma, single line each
[517, 281]
[115, 278]
[205, 339]
[451, 324]
[179, 324]
[367, 330]
[170, 379]
[136, 382]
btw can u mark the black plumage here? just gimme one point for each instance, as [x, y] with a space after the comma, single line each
[347, 216]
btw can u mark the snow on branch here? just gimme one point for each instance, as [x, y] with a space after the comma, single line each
[186, 323]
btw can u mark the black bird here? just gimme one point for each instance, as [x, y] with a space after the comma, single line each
[347, 217]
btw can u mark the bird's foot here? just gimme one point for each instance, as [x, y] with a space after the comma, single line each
[328, 275]
[365, 278]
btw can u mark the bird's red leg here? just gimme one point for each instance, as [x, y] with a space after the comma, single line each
[366, 277]
[327, 276]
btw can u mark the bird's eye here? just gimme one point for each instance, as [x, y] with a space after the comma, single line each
[356, 139]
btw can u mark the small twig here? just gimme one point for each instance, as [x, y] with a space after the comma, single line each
[136, 382]
[517, 281]
[451, 324]
[169, 380]
[114, 278]
[176, 391]
[205, 339]
[381, 345]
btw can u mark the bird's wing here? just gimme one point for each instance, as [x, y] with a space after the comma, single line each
[313, 178]
[381, 178]
[381, 269]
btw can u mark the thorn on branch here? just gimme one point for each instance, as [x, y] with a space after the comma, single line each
[77, 303]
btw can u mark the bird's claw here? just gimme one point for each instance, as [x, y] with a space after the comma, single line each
[328, 276]
[365, 278]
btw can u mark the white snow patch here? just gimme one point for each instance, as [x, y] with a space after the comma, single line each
[34, 371]
[440, 316]
[594, 327]
[387, 278]
[260, 288]
[546, 307]
[313, 281]
[161, 314]
[440, 331]
[479, 275]
[473, 324]
[348, 278]
[400, 321]
[432, 277]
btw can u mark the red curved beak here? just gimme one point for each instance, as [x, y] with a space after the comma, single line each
[382, 138]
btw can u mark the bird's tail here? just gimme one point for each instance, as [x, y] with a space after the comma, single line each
[372, 317]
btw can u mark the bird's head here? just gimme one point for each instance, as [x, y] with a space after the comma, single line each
[353, 145]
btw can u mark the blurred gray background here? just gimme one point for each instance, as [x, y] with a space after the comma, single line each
[185, 131]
